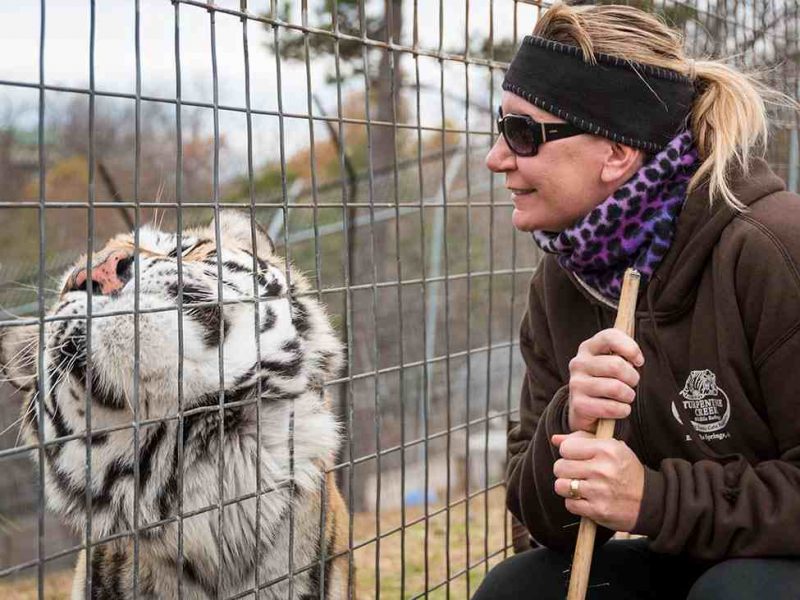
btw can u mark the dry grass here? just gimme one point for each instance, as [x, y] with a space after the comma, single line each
[388, 575]
[388, 579]
[57, 586]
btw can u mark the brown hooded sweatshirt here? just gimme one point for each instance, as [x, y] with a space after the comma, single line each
[716, 420]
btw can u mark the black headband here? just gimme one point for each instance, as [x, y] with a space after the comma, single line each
[636, 104]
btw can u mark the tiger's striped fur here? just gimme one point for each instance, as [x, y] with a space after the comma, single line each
[271, 423]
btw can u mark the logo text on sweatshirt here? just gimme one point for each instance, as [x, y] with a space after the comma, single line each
[706, 403]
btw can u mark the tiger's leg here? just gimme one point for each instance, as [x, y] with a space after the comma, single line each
[337, 535]
[110, 572]
[79, 580]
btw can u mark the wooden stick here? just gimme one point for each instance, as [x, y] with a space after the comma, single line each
[582, 559]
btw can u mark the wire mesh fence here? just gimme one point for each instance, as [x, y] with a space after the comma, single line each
[352, 134]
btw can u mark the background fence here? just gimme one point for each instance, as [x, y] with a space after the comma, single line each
[355, 132]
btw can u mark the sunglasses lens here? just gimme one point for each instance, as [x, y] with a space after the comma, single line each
[519, 135]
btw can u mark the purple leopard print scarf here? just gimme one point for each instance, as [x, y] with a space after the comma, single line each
[633, 227]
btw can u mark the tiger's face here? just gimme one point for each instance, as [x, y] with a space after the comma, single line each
[198, 318]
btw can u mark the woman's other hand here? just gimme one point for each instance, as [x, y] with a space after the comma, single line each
[611, 479]
[602, 379]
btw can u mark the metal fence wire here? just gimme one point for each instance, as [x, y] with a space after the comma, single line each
[353, 132]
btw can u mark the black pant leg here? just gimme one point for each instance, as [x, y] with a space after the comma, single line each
[621, 570]
[750, 579]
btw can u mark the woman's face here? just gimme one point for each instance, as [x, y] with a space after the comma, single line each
[564, 181]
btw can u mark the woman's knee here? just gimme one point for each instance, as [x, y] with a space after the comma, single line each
[748, 578]
[536, 574]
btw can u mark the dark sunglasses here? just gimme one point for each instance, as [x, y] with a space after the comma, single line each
[524, 135]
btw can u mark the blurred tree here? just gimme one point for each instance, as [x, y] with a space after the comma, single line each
[372, 64]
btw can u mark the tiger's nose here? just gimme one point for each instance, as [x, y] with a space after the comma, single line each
[108, 276]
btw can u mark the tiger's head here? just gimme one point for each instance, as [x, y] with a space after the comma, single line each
[186, 321]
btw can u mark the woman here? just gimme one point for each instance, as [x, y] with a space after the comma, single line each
[622, 152]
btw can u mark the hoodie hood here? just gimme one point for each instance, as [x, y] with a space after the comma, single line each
[697, 232]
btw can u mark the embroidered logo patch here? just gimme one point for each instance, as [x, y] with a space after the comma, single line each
[707, 403]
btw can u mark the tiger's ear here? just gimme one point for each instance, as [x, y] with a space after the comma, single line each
[238, 226]
[18, 352]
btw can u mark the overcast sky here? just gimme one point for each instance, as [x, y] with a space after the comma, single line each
[67, 55]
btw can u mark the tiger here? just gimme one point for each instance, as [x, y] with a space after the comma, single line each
[178, 381]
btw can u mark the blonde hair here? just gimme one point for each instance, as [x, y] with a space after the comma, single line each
[728, 117]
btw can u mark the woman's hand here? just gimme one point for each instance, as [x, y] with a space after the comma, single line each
[602, 379]
[611, 479]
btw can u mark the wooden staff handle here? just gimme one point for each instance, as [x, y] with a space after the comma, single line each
[582, 560]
